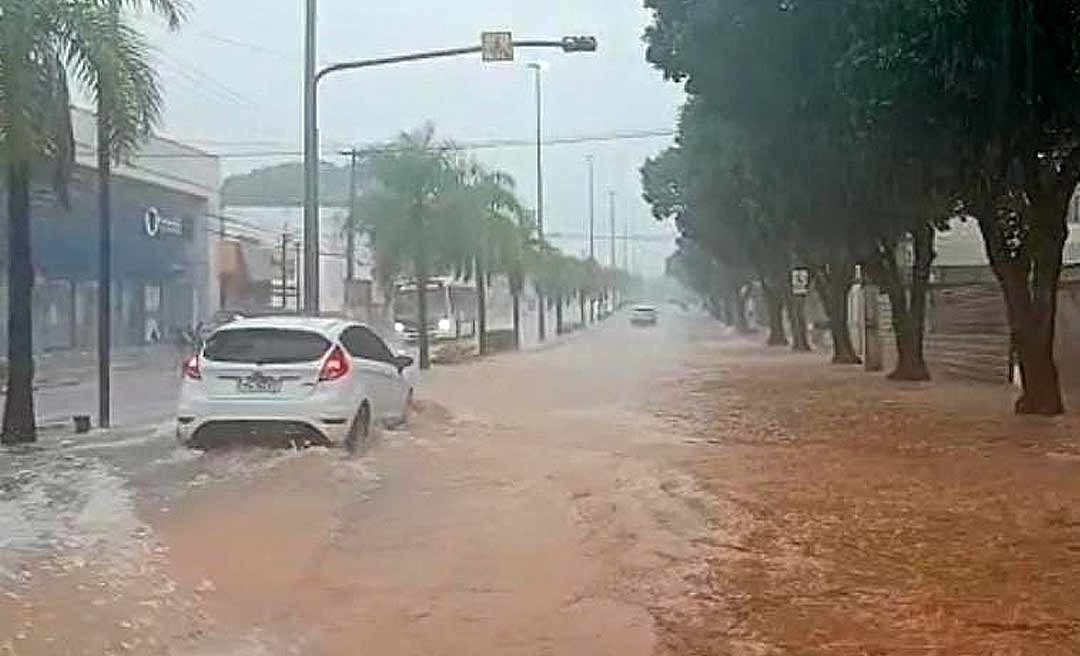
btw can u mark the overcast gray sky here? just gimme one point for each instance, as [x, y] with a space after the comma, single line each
[232, 79]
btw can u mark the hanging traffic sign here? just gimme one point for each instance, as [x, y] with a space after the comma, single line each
[800, 282]
[497, 46]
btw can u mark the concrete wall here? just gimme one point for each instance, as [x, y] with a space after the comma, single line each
[968, 334]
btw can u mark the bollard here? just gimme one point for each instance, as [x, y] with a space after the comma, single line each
[82, 424]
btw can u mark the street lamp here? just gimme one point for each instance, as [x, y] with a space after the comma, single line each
[592, 207]
[495, 46]
[538, 68]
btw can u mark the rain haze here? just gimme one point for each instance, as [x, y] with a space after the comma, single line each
[233, 86]
[776, 354]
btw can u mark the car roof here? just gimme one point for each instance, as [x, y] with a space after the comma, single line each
[328, 327]
[644, 307]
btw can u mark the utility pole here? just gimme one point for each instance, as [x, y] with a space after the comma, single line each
[104, 162]
[611, 204]
[538, 68]
[311, 163]
[592, 209]
[284, 270]
[296, 274]
[626, 245]
[350, 236]
[222, 293]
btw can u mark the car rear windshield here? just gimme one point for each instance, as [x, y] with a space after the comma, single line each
[265, 346]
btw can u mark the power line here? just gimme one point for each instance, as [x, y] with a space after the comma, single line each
[464, 146]
[200, 78]
[253, 47]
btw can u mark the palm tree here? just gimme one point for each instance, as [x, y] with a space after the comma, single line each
[516, 259]
[490, 237]
[408, 217]
[40, 41]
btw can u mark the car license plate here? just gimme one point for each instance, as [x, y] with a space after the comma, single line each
[259, 385]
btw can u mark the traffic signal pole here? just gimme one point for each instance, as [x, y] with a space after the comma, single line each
[312, 78]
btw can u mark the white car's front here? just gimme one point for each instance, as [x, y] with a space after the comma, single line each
[287, 382]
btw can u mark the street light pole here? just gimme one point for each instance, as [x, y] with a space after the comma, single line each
[611, 204]
[538, 68]
[592, 209]
[311, 163]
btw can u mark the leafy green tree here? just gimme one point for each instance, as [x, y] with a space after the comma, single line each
[997, 83]
[41, 41]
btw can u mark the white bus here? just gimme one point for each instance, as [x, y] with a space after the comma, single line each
[451, 309]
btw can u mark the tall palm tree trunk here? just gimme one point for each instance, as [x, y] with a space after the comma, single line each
[481, 307]
[515, 300]
[19, 424]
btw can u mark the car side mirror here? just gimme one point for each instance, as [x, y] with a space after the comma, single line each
[402, 362]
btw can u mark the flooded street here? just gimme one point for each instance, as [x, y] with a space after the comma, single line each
[524, 510]
[693, 495]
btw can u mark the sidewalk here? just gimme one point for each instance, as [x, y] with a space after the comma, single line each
[856, 516]
[70, 368]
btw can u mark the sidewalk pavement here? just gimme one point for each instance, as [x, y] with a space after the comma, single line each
[859, 516]
[73, 367]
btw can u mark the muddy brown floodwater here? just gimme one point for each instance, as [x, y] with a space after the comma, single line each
[653, 491]
[525, 510]
[522, 512]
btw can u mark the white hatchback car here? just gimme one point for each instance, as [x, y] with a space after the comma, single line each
[292, 379]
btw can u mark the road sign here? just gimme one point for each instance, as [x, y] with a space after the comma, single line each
[800, 282]
[498, 46]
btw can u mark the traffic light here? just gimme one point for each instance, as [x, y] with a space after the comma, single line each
[579, 44]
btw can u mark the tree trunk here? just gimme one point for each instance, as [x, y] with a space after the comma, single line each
[833, 285]
[581, 307]
[592, 310]
[800, 342]
[1028, 267]
[726, 304]
[774, 307]
[422, 317]
[920, 288]
[558, 315]
[742, 324]
[19, 426]
[908, 312]
[541, 316]
[515, 301]
[481, 308]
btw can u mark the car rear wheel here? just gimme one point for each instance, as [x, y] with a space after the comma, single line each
[359, 432]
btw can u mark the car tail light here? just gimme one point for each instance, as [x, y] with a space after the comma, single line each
[335, 366]
[191, 368]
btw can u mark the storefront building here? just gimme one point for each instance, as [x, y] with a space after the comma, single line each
[160, 266]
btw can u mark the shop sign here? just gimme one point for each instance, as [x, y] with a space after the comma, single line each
[156, 225]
